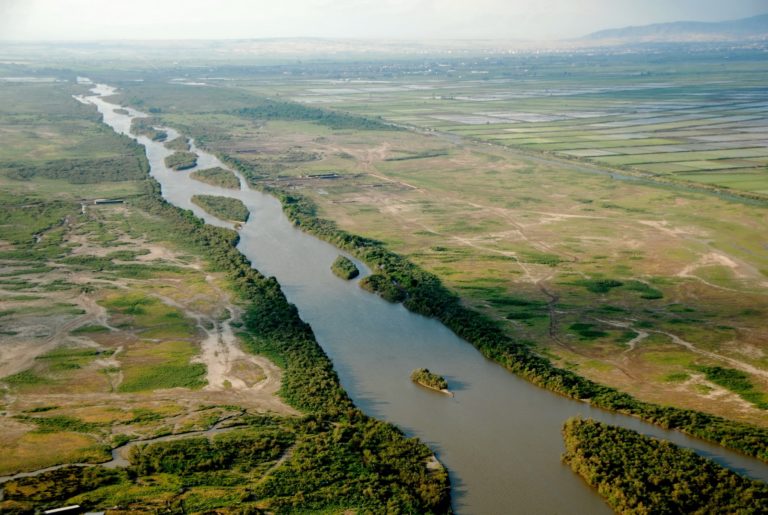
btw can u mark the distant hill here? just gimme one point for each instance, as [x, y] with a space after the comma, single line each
[755, 27]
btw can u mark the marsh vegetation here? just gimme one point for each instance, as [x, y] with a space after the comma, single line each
[181, 160]
[344, 267]
[217, 177]
[428, 379]
[123, 299]
[631, 295]
[638, 474]
[223, 207]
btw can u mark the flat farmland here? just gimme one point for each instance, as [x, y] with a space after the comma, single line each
[697, 117]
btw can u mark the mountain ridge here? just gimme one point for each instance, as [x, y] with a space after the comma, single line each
[754, 27]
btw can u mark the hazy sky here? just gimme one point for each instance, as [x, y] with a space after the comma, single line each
[393, 19]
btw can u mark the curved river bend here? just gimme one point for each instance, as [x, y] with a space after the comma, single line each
[499, 436]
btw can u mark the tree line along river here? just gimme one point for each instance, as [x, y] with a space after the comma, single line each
[499, 436]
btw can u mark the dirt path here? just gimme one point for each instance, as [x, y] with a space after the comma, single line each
[119, 454]
[740, 271]
[285, 457]
[745, 367]
[632, 344]
[394, 181]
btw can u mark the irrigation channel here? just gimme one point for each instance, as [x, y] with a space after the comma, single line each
[499, 435]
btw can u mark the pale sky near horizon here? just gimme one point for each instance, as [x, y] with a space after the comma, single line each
[390, 19]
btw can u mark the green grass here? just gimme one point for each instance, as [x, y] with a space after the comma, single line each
[70, 356]
[737, 382]
[646, 291]
[57, 423]
[150, 317]
[600, 285]
[671, 157]
[587, 331]
[161, 365]
[25, 378]
[677, 377]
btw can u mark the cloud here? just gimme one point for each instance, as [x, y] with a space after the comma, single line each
[205, 19]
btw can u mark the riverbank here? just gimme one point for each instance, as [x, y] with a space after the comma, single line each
[271, 327]
[360, 333]
[261, 463]
[639, 474]
[422, 292]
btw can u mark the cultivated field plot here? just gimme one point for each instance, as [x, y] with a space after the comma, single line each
[705, 122]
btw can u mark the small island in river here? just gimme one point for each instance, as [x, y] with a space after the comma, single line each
[181, 160]
[181, 144]
[217, 177]
[344, 267]
[224, 208]
[427, 379]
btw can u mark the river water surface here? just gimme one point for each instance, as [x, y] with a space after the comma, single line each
[499, 435]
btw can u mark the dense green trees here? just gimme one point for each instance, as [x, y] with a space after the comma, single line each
[217, 177]
[360, 463]
[638, 474]
[146, 127]
[244, 449]
[225, 208]
[181, 160]
[426, 378]
[59, 485]
[181, 144]
[344, 268]
[274, 327]
[267, 109]
[129, 165]
[341, 457]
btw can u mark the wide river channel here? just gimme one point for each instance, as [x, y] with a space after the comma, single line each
[499, 436]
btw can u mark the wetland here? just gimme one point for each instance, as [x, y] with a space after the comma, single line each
[342, 316]
[484, 244]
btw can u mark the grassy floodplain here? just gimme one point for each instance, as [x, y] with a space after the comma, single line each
[111, 318]
[637, 286]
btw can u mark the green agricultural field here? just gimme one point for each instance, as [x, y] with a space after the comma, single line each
[619, 108]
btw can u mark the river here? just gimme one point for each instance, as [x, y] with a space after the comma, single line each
[499, 435]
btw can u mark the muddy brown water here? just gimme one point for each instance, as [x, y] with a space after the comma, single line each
[499, 436]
